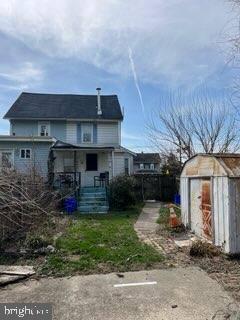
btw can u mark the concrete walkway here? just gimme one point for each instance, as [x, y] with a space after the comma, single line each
[147, 228]
[178, 293]
[146, 223]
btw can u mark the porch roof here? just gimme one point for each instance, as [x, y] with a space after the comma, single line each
[60, 145]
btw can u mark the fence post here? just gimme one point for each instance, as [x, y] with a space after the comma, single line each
[142, 190]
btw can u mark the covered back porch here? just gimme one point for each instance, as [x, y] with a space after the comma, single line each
[82, 166]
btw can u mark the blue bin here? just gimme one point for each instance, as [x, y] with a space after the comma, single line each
[70, 205]
[177, 199]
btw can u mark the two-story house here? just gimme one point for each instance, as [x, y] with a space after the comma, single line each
[147, 163]
[77, 133]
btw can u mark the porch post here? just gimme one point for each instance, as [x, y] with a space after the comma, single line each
[75, 167]
[113, 164]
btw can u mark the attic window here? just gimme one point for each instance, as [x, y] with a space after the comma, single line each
[44, 129]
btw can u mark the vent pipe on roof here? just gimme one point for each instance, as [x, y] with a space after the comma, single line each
[99, 109]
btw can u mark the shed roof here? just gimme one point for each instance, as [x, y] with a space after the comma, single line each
[216, 164]
[64, 106]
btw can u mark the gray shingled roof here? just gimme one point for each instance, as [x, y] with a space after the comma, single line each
[147, 158]
[64, 106]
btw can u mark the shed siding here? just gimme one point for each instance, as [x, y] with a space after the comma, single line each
[234, 215]
[220, 212]
[107, 133]
[39, 159]
[184, 191]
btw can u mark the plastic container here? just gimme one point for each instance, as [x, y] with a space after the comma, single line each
[70, 205]
[177, 199]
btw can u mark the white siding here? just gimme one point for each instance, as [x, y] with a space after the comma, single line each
[71, 134]
[184, 200]
[107, 133]
[234, 215]
[118, 163]
[220, 212]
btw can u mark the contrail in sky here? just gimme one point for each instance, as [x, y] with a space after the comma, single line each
[135, 78]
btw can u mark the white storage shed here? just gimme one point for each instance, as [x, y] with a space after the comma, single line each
[210, 198]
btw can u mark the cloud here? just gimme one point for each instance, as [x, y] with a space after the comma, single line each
[22, 76]
[174, 42]
[135, 77]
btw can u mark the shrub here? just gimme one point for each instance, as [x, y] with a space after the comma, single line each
[121, 194]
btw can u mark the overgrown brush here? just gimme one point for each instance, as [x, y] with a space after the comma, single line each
[24, 198]
[203, 249]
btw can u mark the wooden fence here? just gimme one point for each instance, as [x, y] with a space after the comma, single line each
[154, 186]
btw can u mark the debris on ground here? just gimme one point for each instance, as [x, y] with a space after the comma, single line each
[185, 241]
[6, 279]
[186, 249]
[9, 274]
[201, 248]
[17, 270]
[120, 275]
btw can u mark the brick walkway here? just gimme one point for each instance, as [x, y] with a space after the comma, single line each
[147, 229]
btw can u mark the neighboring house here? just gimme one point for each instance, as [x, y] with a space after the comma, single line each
[146, 162]
[83, 133]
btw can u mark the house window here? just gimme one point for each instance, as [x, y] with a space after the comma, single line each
[141, 166]
[147, 166]
[126, 166]
[152, 166]
[87, 133]
[25, 153]
[44, 129]
[91, 162]
[6, 159]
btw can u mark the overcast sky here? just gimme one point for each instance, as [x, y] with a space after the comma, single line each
[139, 50]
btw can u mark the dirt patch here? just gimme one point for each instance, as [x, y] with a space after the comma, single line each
[220, 267]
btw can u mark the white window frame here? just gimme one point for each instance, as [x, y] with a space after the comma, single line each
[6, 150]
[25, 149]
[82, 132]
[152, 166]
[48, 128]
[141, 166]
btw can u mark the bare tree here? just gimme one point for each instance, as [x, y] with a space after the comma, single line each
[195, 124]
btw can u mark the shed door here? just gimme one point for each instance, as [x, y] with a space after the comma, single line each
[195, 206]
[206, 207]
[200, 207]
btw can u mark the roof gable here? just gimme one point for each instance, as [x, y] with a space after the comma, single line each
[212, 165]
[64, 106]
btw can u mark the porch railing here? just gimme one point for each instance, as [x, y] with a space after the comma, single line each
[67, 181]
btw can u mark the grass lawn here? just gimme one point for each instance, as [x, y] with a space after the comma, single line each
[99, 244]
